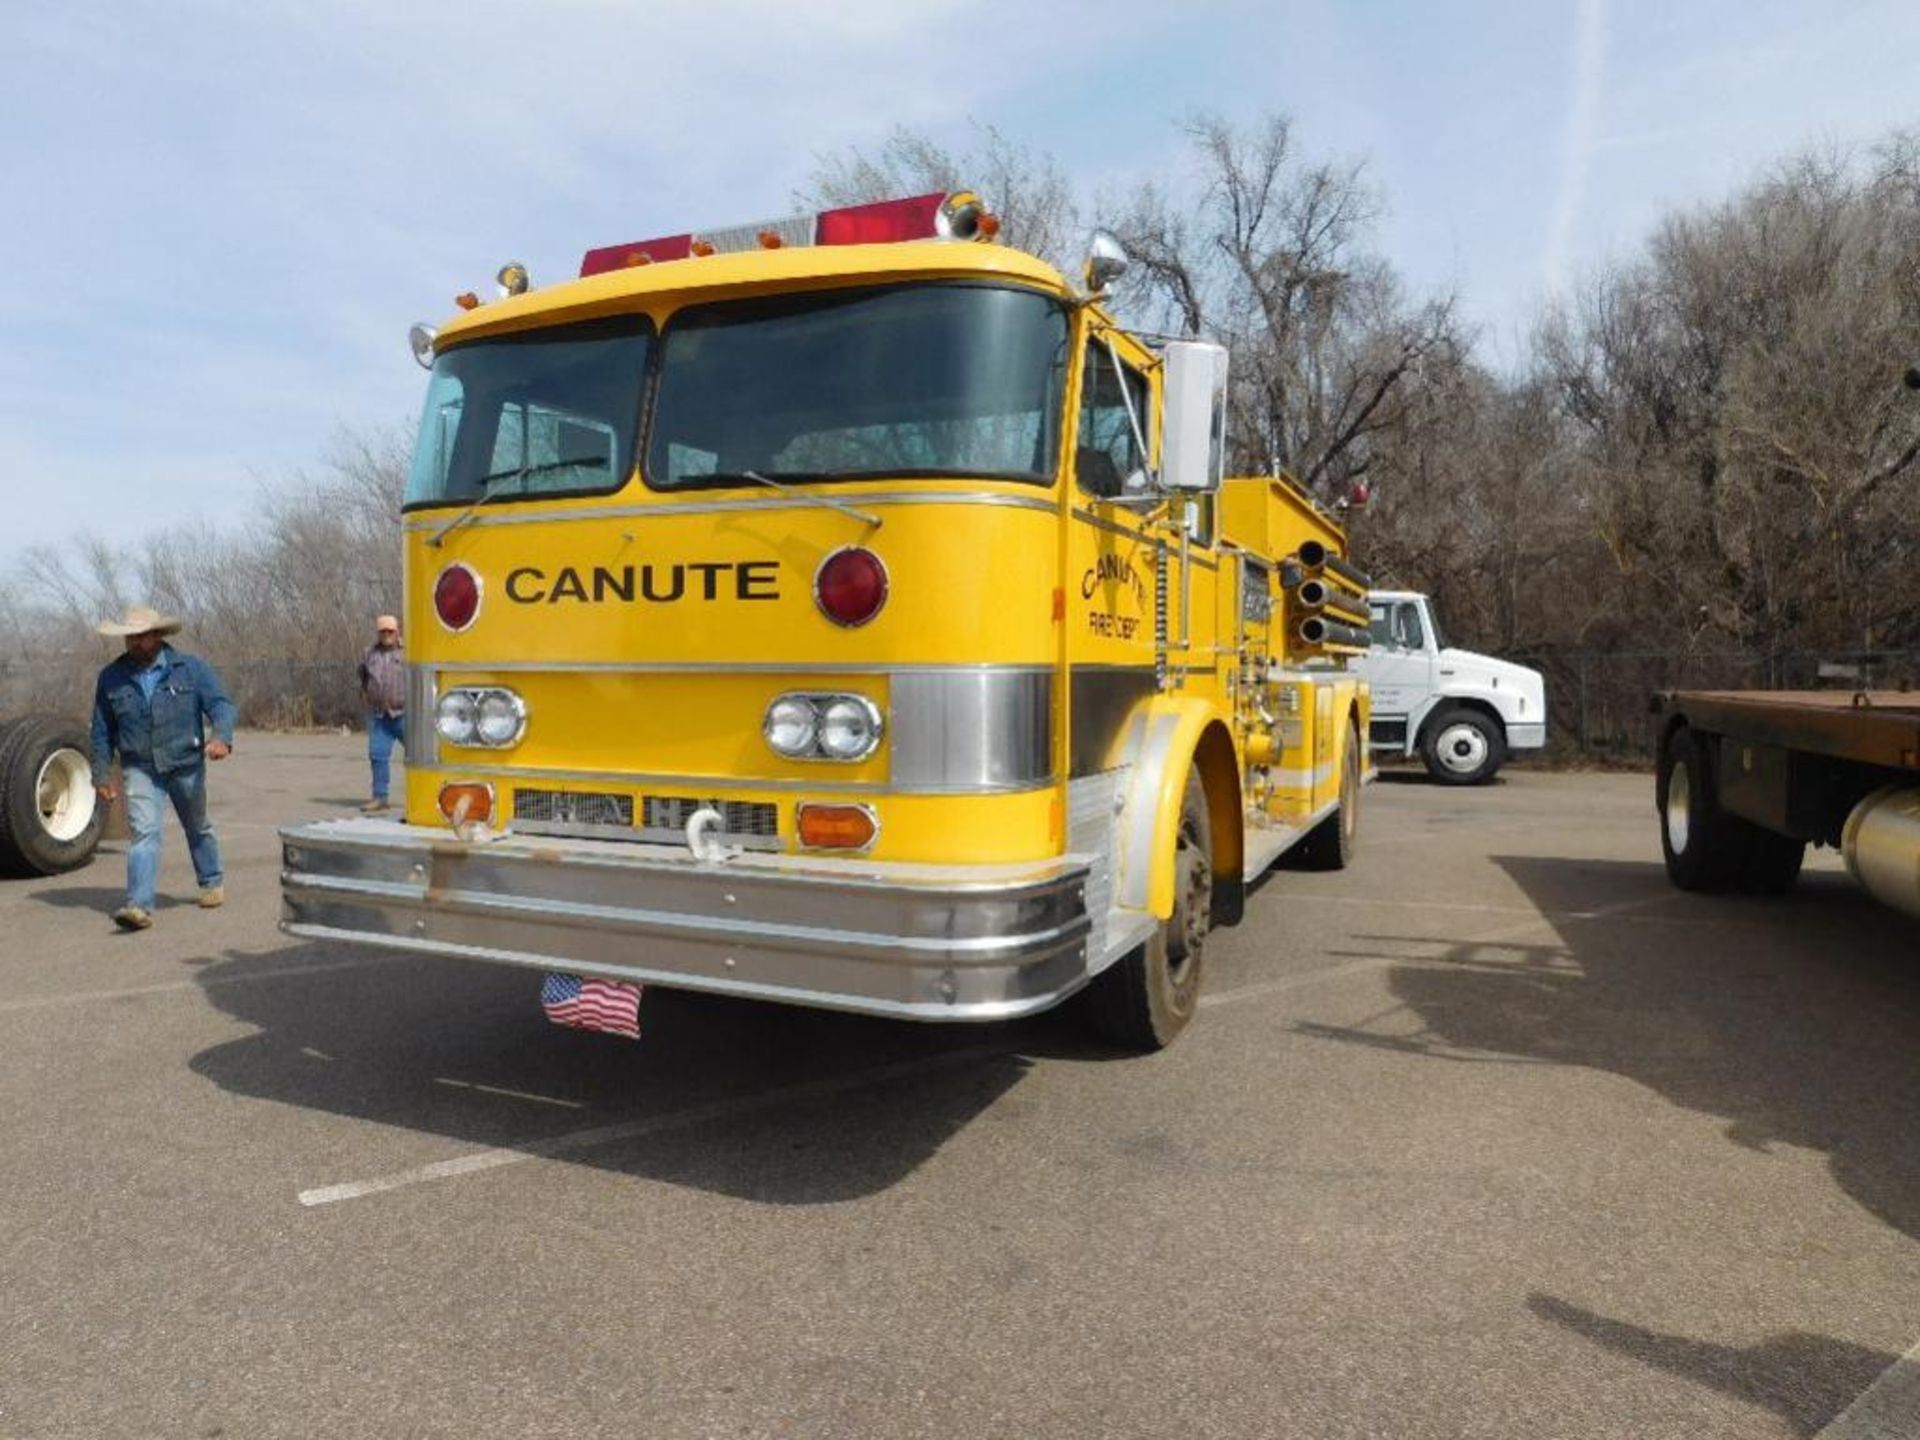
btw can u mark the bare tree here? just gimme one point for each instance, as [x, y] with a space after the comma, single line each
[1271, 257]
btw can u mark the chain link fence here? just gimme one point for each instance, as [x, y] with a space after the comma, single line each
[1598, 703]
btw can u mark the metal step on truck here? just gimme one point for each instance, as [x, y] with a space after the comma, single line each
[50, 818]
[1748, 779]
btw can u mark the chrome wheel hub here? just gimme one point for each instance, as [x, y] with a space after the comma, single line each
[1462, 749]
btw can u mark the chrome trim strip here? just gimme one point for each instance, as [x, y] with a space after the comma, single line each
[668, 509]
[1100, 522]
[826, 785]
[421, 737]
[961, 731]
[1101, 700]
[725, 667]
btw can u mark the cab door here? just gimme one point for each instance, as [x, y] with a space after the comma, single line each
[1119, 563]
[1399, 668]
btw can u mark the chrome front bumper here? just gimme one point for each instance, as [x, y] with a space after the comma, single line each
[974, 942]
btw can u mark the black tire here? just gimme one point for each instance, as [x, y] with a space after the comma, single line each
[50, 818]
[1144, 1000]
[1773, 862]
[1463, 747]
[1705, 848]
[1331, 844]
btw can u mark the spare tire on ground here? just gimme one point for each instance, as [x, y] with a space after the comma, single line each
[50, 817]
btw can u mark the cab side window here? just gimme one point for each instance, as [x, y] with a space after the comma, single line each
[1108, 450]
[1407, 631]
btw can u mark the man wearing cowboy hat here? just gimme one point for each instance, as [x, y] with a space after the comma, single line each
[151, 707]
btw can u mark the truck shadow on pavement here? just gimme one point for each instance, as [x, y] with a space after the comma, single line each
[1804, 1379]
[1793, 1021]
[760, 1102]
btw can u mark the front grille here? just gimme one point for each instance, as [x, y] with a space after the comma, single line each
[753, 824]
[750, 824]
[565, 812]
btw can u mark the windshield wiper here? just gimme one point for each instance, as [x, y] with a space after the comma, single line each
[491, 485]
[785, 487]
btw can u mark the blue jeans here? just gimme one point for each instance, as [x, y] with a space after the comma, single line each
[383, 733]
[187, 789]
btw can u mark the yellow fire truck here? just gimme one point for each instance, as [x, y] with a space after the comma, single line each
[847, 611]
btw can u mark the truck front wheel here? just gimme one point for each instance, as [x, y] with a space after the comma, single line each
[1145, 999]
[1463, 747]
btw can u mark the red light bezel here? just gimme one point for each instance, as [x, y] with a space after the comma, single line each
[441, 603]
[832, 578]
[916, 218]
[619, 257]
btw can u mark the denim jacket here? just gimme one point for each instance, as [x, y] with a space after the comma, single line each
[166, 733]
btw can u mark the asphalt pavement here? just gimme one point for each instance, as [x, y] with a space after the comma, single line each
[1494, 1134]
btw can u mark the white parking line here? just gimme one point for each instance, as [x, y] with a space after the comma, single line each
[510, 1094]
[494, 1159]
[653, 1125]
[1888, 1409]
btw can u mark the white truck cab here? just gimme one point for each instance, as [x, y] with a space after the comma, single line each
[1460, 712]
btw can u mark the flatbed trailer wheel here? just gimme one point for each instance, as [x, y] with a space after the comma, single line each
[1772, 864]
[1707, 847]
[50, 817]
[1145, 999]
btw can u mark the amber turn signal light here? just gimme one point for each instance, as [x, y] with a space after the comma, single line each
[836, 827]
[466, 802]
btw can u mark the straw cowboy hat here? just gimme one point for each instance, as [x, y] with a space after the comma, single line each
[140, 620]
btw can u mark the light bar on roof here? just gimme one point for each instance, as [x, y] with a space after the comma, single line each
[959, 215]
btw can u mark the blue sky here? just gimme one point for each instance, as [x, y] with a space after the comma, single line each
[222, 217]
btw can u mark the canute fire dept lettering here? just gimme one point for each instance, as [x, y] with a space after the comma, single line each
[658, 584]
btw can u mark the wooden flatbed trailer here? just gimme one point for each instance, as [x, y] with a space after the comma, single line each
[1748, 779]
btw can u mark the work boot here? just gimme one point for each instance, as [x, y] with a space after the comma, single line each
[375, 806]
[132, 917]
[213, 897]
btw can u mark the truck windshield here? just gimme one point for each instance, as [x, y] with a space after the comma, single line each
[547, 412]
[917, 380]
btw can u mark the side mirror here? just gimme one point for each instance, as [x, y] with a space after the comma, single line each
[1193, 433]
[1107, 261]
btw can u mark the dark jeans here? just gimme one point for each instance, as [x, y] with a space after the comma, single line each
[383, 733]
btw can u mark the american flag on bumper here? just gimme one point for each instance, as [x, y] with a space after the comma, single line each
[610, 1006]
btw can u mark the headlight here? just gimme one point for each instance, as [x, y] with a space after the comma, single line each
[488, 716]
[823, 727]
[455, 719]
[849, 728]
[501, 717]
[790, 726]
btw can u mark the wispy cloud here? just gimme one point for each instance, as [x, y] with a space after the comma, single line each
[1583, 120]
